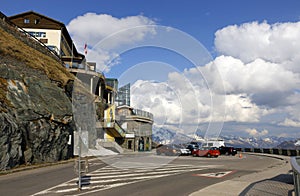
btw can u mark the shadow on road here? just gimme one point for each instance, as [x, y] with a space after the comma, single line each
[282, 184]
[85, 180]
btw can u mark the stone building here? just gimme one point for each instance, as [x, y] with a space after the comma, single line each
[136, 123]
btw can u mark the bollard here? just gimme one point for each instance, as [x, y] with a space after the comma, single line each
[240, 155]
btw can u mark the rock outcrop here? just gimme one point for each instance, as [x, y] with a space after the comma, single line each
[35, 104]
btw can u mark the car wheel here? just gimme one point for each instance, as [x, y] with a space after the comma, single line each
[208, 155]
[227, 153]
[216, 156]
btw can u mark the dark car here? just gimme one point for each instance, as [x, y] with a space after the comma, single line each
[192, 147]
[169, 150]
[228, 150]
[206, 152]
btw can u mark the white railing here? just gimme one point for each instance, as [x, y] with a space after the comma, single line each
[295, 162]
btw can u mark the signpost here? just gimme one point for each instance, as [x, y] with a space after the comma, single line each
[81, 166]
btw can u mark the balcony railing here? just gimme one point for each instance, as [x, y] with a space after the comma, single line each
[143, 113]
[113, 127]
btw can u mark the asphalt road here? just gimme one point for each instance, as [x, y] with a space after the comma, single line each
[134, 174]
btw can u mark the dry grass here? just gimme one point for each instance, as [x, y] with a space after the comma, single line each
[18, 50]
[25, 56]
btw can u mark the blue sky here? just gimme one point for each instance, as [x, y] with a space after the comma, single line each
[201, 19]
[250, 76]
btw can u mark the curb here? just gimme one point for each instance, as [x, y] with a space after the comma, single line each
[238, 185]
[34, 166]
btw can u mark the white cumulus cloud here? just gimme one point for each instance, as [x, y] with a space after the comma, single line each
[272, 42]
[109, 33]
[256, 133]
[290, 123]
[262, 61]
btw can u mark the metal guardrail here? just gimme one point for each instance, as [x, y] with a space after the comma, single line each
[295, 162]
[277, 151]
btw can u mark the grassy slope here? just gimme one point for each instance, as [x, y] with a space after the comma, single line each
[16, 49]
[13, 48]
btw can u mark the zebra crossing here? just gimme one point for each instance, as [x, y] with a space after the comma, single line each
[110, 177]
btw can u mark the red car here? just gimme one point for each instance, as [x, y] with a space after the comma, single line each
[206, 152]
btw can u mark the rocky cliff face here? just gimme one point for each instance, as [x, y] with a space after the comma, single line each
[35, 105]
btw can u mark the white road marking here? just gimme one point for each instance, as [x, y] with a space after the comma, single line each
[215, 175]
[109, 177]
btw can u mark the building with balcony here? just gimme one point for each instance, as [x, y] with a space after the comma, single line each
[138, 126]
[116, 122]
[137, 123]
[48, 31]
[55, 36]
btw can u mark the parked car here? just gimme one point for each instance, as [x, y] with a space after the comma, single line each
[228, 150]
[183, 150]
[169, 150]
[206, 152]
[192, 147]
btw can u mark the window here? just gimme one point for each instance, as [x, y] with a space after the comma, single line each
[42, 34]
[67, 65]
[53, 48]
[32, 33]
[37, 34]
[26, 21]
[36, 21]
[45, 41]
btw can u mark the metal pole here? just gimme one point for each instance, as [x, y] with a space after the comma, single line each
[79, 161]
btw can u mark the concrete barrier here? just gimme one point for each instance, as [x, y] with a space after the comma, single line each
[295, 162]
[276, 151]
[267, 150]
[293, 153]
[285, 152]
[257, 150]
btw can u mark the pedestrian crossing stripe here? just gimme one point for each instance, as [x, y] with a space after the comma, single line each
[109, 177]
[215, 175]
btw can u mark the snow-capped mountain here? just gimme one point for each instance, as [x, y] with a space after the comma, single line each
[253, 142]
[168, 135]
[163, 135]
[292, 144]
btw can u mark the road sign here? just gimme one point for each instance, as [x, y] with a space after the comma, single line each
[84, 166]
[215, 175]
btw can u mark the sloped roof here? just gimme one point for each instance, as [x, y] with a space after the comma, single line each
[38, 14]
[58, 23]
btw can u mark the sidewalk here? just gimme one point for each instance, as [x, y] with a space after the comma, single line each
[273, 181]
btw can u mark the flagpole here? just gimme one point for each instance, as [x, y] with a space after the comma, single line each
[85, 53]
[72, 56]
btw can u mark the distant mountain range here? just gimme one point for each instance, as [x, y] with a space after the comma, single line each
[169, 135]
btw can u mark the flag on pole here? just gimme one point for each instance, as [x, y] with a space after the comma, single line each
[85, 49]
